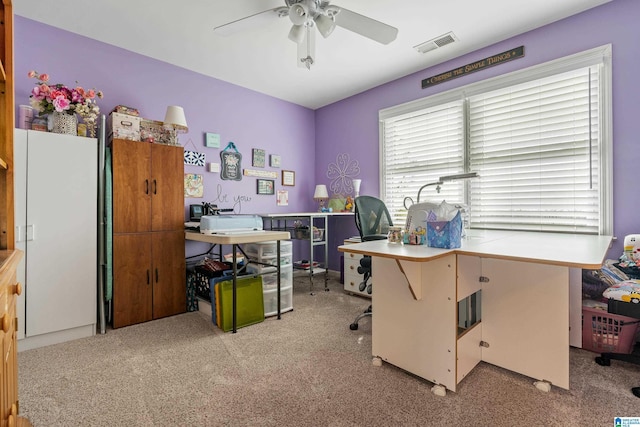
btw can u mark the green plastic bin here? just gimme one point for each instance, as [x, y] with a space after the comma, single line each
[250, 303]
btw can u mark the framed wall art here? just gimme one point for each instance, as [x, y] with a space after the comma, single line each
[282, 198]
[258, 158]
[193, 185]
[274, 161]
[231, 163]
[266, 186]
[288, 178]
[212, 140]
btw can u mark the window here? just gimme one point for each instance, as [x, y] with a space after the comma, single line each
[539, 139]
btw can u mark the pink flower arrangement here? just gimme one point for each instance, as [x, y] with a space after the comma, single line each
[47, 98]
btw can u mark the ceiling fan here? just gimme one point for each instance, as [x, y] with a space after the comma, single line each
[306, 14]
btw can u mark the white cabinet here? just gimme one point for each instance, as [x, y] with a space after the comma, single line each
[56, 226]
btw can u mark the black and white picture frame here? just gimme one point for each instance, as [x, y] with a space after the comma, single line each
[266, 186]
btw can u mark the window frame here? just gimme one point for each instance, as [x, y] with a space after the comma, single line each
[601, 56]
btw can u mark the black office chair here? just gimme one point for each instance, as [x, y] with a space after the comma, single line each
[373, 222]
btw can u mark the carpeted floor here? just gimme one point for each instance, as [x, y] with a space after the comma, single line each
[307, 369]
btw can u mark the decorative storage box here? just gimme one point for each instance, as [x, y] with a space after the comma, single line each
[445, 234]
[604, 332]
[123, 109]
[154, 131]
[123, 126]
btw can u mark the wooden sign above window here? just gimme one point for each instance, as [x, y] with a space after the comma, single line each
[500, 58]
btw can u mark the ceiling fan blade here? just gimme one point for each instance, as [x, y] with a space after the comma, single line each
[251, 21]
[360, 24]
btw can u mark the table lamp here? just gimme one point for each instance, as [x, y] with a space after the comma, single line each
[175, 122]
[356, 186]
[321, 195]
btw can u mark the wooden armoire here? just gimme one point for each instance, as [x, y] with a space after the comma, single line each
[9, 257]
[149, 276]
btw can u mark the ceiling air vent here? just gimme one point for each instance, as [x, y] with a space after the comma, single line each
[433, 44]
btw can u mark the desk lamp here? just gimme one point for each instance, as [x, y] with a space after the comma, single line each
[175, 122]
[441, 181]
[321, 195]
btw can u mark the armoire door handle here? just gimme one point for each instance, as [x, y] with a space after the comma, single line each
[156, 275]
[155, 187]
[148, 278]
[146, 186]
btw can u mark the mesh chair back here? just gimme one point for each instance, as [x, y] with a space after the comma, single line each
[372, 218]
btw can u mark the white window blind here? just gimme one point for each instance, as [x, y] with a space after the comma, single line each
[539, 138]
[536, 148]
[419, 148]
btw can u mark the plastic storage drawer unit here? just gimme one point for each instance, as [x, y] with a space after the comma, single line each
[270, 276]
[271, 301]
[267, 249]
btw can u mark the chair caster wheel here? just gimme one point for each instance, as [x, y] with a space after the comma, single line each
[376, 361]
[353, 326]
[603, 361]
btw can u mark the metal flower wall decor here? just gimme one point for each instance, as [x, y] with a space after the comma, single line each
[341, 174]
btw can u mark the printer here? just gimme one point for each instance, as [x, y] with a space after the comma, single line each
[230, 224]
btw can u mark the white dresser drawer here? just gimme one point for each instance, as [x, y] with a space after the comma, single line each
[352, 278]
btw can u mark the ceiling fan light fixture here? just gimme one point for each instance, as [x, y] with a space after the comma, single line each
[298, 14]
[296, 33]
[325, 25]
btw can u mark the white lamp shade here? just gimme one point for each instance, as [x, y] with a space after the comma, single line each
[356, 185]
[321, 192]
[175, 118]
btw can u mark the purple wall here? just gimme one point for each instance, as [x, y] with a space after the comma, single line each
[253, 120]
[249, 119]
[351, 125]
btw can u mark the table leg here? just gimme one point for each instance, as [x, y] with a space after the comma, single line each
[235, 283]
[278, 273]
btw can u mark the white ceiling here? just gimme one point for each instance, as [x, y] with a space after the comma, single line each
[264, 59]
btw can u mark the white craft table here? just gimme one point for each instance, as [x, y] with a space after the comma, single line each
[522, 282]
[238, 239]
